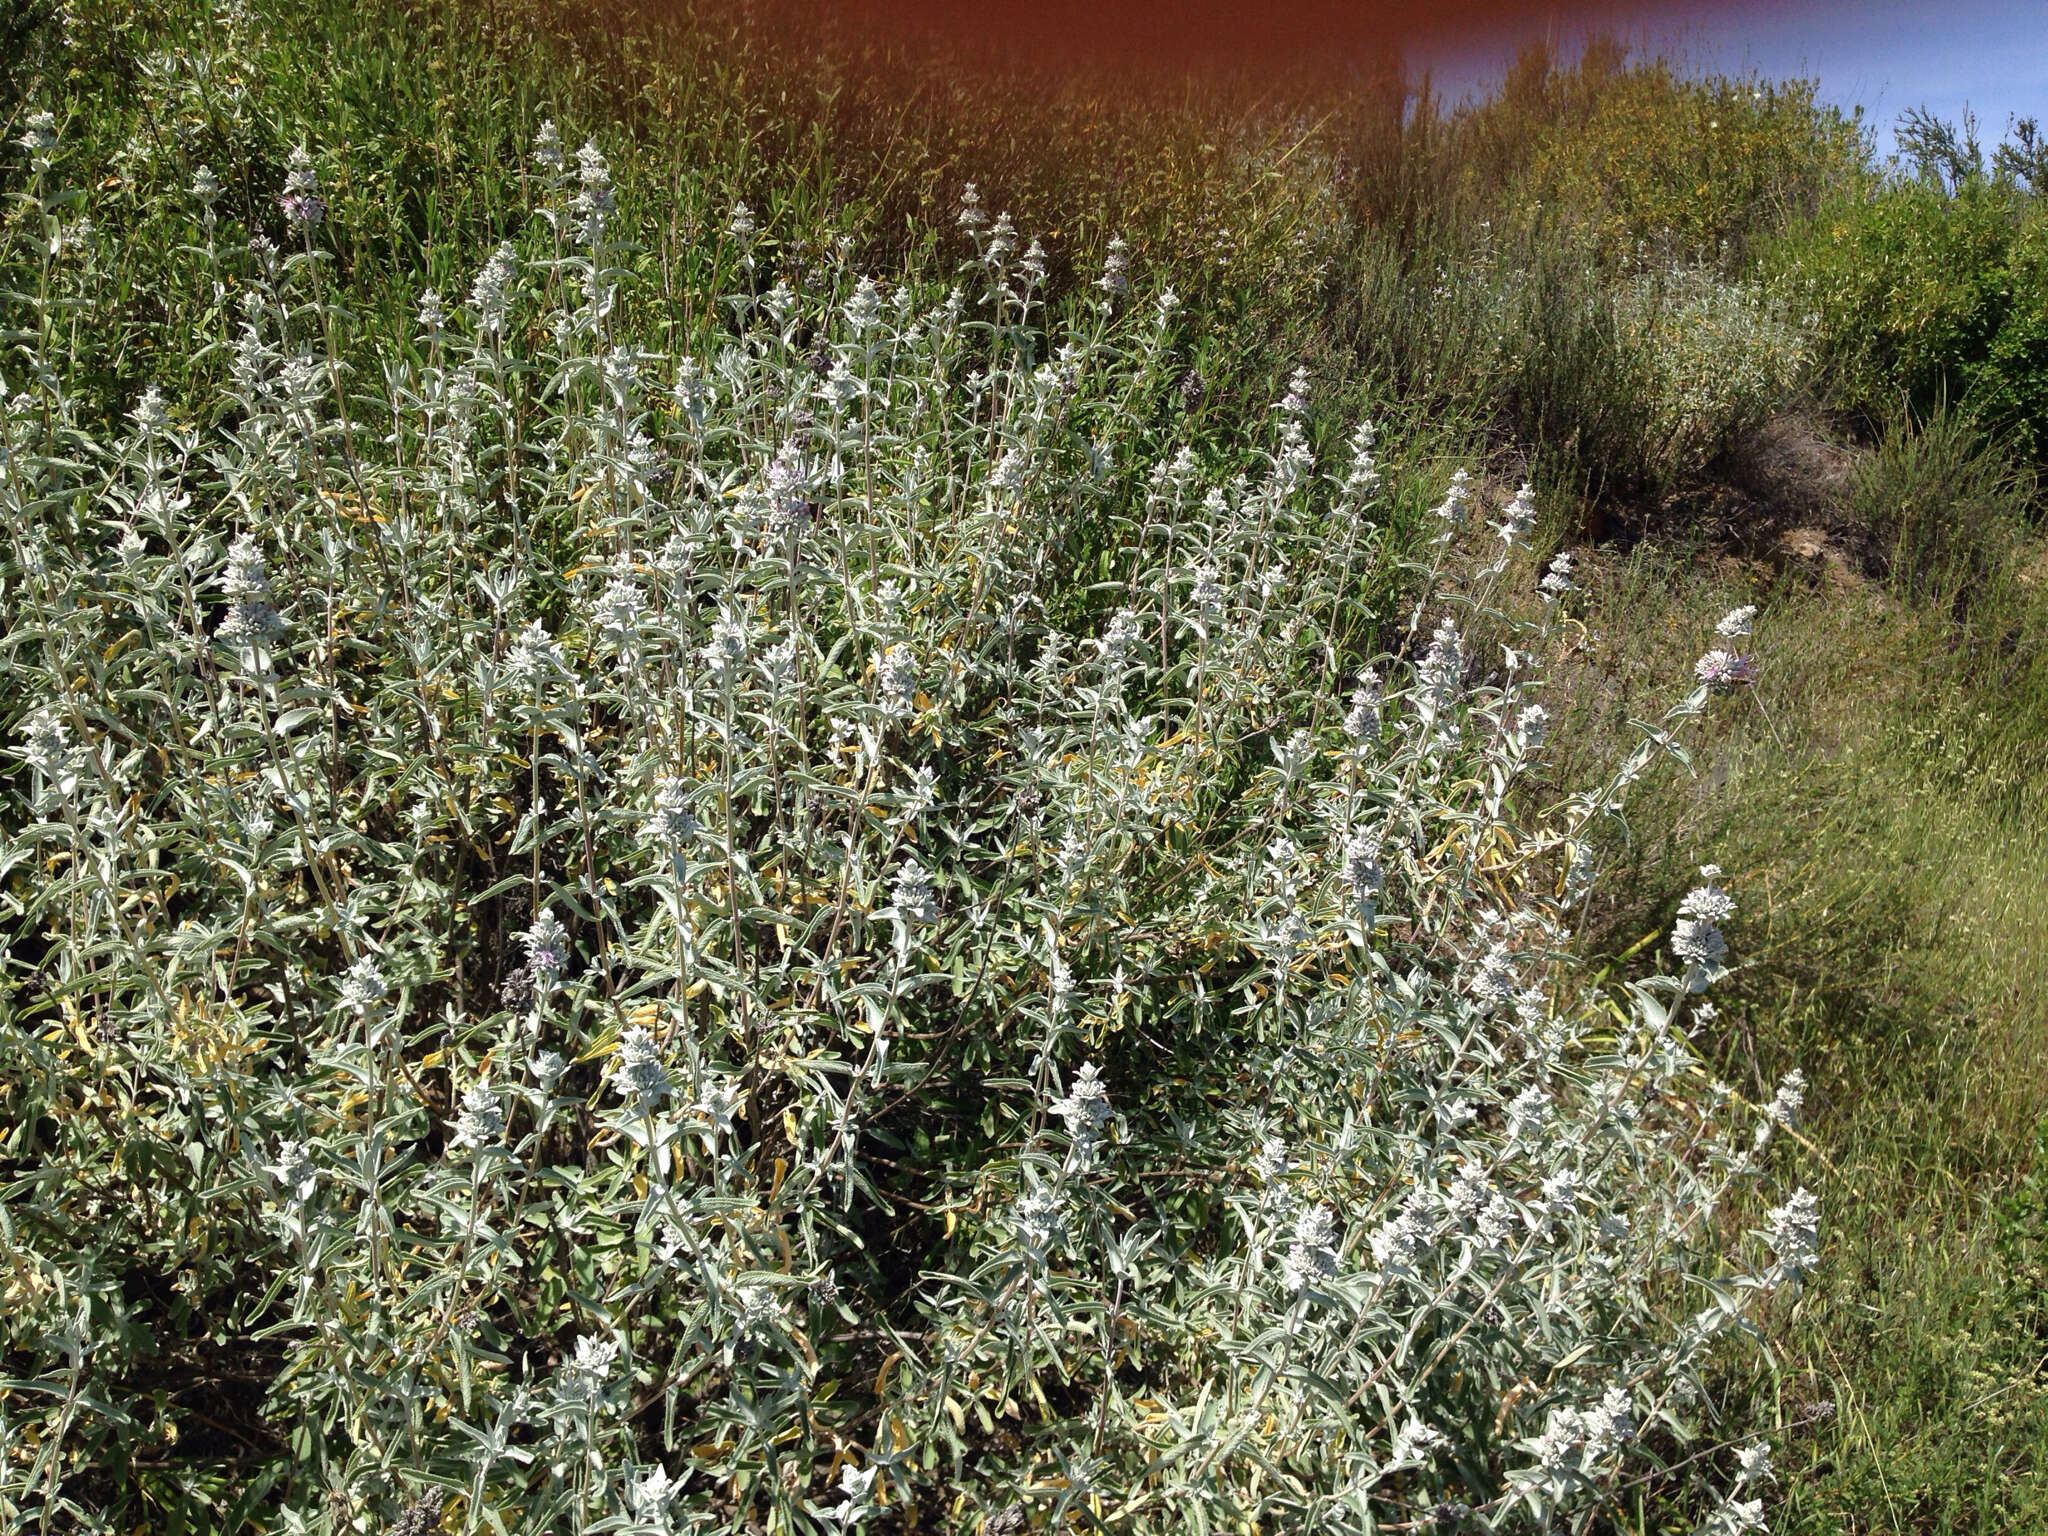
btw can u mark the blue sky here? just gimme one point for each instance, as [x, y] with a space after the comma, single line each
[1886, 55]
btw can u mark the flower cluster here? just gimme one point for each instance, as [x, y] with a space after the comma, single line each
[301, 201]
[1697, 938]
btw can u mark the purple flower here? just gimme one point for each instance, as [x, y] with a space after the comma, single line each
[302, 202]
[547, 946]
[303, 208]
[1724, 670]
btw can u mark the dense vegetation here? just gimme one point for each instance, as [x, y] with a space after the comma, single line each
[808, 822]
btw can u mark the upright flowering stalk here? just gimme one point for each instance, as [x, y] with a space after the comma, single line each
[1085, 1109]
[481, 1124]
[491, 294]
[363, 988]
[547, 957]
[1723, 669]
[594, 202]
[1697, 939]
[301, 202]
[251, 623]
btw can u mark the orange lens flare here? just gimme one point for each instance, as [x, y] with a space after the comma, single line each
[1232, 35]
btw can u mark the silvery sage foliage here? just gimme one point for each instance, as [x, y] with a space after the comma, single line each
[759, 937]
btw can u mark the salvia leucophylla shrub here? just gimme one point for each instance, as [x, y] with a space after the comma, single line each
[786, 940]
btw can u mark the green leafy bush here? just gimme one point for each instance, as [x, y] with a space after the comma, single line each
[1929, 299]
[1615, 157]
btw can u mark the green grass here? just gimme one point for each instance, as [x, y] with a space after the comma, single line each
[1892, 886]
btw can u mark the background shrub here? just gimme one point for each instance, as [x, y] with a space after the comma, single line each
[1930, 299]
